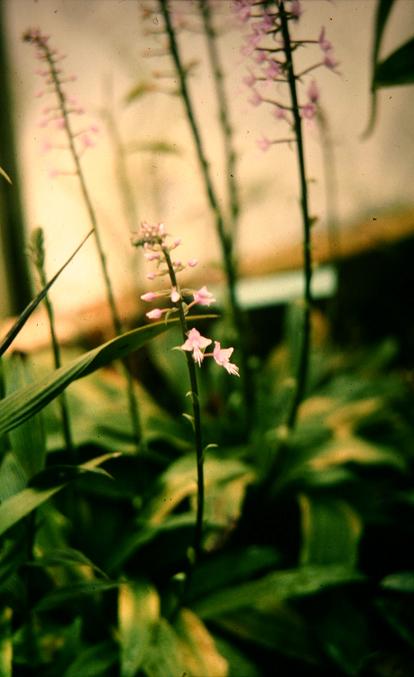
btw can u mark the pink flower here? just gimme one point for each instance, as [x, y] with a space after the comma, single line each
[155, 314]
[203, 297]
[261, 56]
[149, 296]
[192, 263]
[313, 92]
[255, 98]
[330, 61]
[264, 143]
[196, 344]
[249, 79]
[222, 357]
[279, 113]
[272, 70]
[324, 44]
[308, 111]
[174, 296]
[296, 9]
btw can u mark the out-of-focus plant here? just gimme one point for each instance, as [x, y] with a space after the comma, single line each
[60, 115]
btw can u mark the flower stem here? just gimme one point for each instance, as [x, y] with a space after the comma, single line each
[225, 238]
[198, 531]
[307, 254]
[116, 320]
[230, 155]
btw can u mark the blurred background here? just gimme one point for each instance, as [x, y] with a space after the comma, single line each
[112, 52]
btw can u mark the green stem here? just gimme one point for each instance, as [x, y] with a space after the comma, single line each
[303, 366]
[230, 155]
[331, 190]
[116, 320]
[63, 403]
[224, 237]
[198, 531]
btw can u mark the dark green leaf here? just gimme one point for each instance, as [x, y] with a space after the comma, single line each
[24, 403]
[277, 586]
[383, 10]
[68, 593]
[402, 581]
[18, 506]
[6, 644]
[94, 661]
[280, 629]
[28, 440]
[330, 531]
[231, 567]
[66, 557]
[397, 69]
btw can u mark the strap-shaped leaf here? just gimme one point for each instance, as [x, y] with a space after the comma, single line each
[398, 68]
[13, 509]
[27, 401]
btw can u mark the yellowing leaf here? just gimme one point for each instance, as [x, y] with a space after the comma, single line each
[199, 652]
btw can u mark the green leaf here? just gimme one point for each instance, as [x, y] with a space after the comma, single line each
[24, 316]
[238, 663]
[278, 628]
[402, 581]
[330, 531]
[231, 567]
[69, 593]
[25, 402]
[275, 587]
[6, 644]
[94, 661]
[383, 10]
[4, 174]
[354, 450]
[139, 90]
[164, 657]
[397, 69]
[66, 557]
[138, 612]
[179, 482]
[18, 506]
[27, 440]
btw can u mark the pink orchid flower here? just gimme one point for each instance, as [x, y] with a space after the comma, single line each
[196, 344]
[222, 358]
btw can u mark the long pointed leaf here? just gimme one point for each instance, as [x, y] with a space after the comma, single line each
[398, 68]
[27, 401]
[383, 11]
[22, 319]
[18, 506]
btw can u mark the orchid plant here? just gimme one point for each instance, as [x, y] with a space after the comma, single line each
[154, 240]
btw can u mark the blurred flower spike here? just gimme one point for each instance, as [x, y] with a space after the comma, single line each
[59, 114]
[157, 247]
[268, 57]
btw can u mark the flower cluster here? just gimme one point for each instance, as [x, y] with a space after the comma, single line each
[264, 46]
[157, 249]
[58, 114]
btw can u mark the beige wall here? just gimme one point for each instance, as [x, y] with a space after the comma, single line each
[104, 42]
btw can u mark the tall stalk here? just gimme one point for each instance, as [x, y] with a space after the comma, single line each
[229, 151]
[54, 80]
[224, 236]
[38, 254]
[303, 366]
